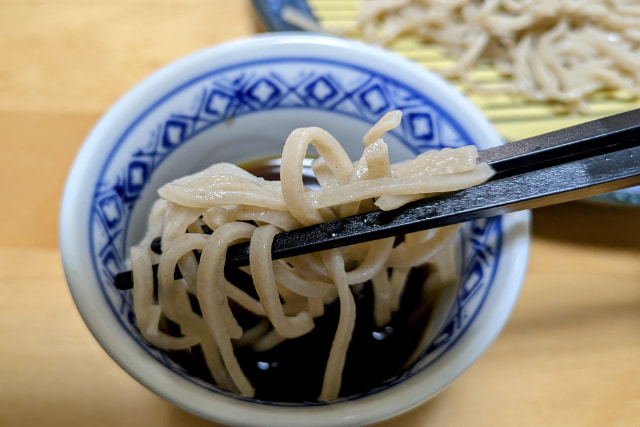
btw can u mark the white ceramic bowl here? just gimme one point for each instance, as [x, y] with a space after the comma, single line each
[238, 102]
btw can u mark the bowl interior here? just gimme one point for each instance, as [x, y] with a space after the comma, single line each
[241, 110]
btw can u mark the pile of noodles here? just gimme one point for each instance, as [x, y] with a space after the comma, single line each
[550, 50]
[239, 206]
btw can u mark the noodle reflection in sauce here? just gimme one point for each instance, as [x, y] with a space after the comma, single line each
[199, 216]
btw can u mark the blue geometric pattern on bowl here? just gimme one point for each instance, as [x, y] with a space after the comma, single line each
[252, 87]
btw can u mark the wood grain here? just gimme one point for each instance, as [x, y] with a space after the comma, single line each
[569, 355]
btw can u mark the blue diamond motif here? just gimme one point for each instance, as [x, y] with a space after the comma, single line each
[263, 91]
[110, 209]
[374, 99]
[421, 125]
[137, 176]
[174, 133]
[446, 334]
[218, 103]
[321, 90]
[474, 279]
[110, 263]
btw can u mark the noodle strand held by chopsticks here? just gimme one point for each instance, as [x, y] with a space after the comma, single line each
[265, 283]
[232, 206]
[213, 300]
[338, 353]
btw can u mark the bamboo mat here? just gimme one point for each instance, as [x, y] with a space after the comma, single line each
[512, 117]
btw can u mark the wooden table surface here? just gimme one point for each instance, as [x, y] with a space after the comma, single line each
[569, 355]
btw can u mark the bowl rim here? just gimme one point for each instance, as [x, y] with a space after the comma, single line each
[219, 407]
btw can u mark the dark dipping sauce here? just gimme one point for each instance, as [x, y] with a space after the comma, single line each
[293, 371]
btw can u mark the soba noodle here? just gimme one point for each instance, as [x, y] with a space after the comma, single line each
[208, 211]
[550, 50]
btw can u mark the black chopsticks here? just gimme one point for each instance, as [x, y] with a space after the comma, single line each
[569, 164]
